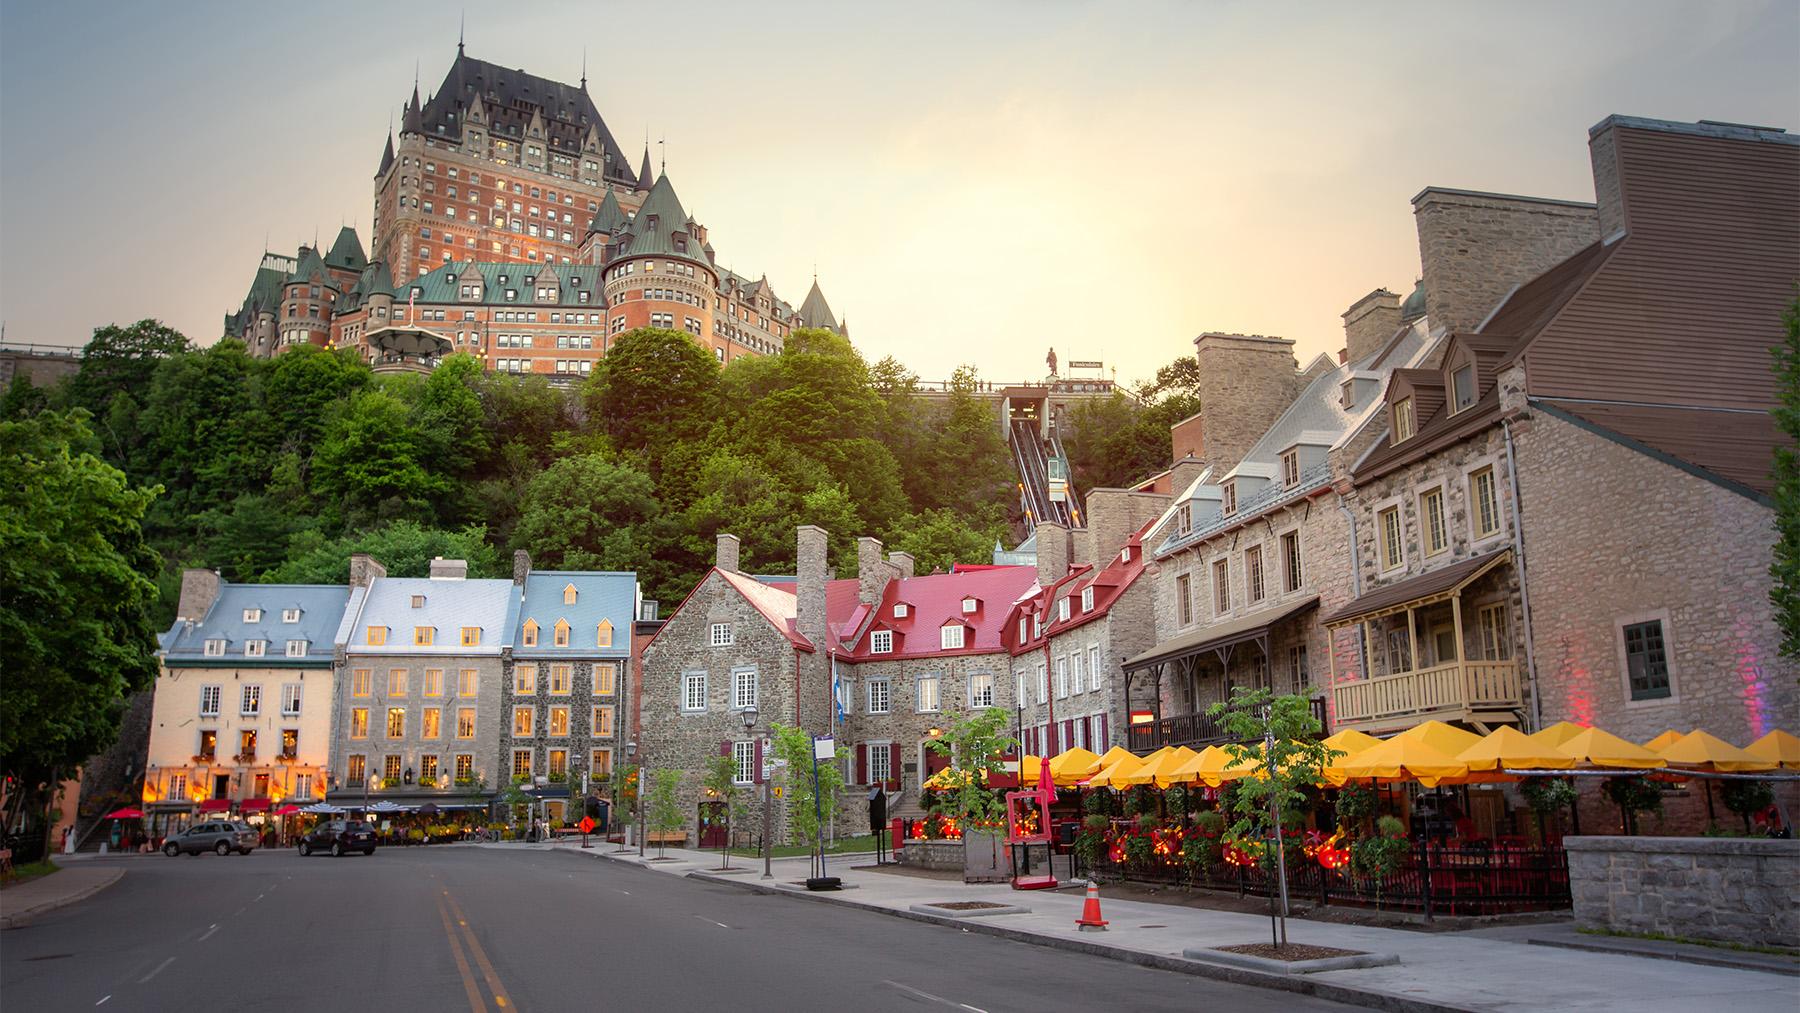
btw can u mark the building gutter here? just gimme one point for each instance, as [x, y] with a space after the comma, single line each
[1512, 474]
[1362, 658]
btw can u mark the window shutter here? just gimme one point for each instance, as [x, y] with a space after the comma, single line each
[1068, 735]
[862, 763]
[725, 747]
[757, 773]
[1101, 741]
[894, 765]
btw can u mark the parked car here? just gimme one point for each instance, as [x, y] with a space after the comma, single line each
[221, 836]
[338, 837]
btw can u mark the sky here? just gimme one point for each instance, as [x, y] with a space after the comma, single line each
[973, 183]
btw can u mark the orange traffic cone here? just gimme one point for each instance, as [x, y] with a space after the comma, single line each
[1090, 920]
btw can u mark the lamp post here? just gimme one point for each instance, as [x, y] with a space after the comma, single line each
[749, 716]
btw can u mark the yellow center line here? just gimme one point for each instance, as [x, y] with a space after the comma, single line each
[462, 963]
[481, 958]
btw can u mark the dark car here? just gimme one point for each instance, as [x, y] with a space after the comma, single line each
[221, 836]
[338, 837]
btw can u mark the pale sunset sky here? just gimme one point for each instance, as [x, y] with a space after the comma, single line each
[975, 183]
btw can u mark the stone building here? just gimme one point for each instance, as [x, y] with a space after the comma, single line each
[241, 717]
[417, 709]
[1255, 544]
[564, 682]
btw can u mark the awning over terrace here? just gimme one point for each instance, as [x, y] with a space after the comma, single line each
[1219, 636]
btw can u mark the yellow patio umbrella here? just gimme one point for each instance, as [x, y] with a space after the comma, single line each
[1348, 742]
[1157, 767]
[1703, 751]
[1664, 741]
[1447, 739]
[1399, 759]
[1779, 747]
[1118, 768]
[1558, 733]
[1073, 765]
[1506, 746]
[1114, 755]
[1029, 766]
[1214, 766]
[1604, 749]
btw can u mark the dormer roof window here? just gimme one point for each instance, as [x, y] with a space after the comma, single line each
[900, 610]
[1290, 469]
[1462, 387]
[1087, 599]
[1228, 499]
[1062, 610]
[970, 605]
[253, 615]
[1405, 425]
[290, 615]
[215, 648]
[569, 594]
[418, 601]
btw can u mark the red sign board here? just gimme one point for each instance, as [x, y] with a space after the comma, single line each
[586, 824]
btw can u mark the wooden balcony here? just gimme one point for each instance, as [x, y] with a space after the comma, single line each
[1458, 690]
[1195, 731]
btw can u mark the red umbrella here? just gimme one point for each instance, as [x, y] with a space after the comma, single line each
[126, 813]
[287, 810]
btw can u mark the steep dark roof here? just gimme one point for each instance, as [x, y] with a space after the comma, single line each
[609, 218]
[347, 252]
[643, 177]
[410, 118]
[815, 311]
[661, 228]
[387, 156]
[1731, 445]
[311, 268]
[510, 97]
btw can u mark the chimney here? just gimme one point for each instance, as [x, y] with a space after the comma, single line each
[648, 609]
[1369, 323]
[364, 570]
[1183, 474]
[904, 563]
[521, 566]
[1114, 515]
[449, 569]
[1609, 195]
[199, 589]
[726, 551]
[809, 589]
[1245, 382]
[872, 571]
[1052, 552]
[1475, 248]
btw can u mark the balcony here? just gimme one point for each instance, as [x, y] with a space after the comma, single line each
[1195, 731]
[1459, 690]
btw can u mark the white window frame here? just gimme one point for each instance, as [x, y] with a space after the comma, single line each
[1075, 679]
[1043, 684]
[296, 648]
[210, 697]
[250, 701]
[936, 683]
[946, 638]
[290, 699]
[743, 758]
[881, 642]
[744, 688]
[1021, 692]
[978, 698]
[719, 635]
[1087, 599]
[970, 606]
[253, 615]
[693, 693]
[1062, 677]
[886, 693]
[290, 615]
[255, 648]
[214, 648]
[1094, 666]
[883, 751]
[900, 610]
[1062, 610]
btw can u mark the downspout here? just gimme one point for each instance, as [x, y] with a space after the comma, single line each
[1362, 642]
[1512, 474]
[1050, 742]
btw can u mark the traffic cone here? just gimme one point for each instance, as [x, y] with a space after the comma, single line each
[1090, 920]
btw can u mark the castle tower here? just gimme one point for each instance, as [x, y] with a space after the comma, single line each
[659, 274]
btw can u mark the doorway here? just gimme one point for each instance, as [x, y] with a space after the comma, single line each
[715, 825]
[221, 786]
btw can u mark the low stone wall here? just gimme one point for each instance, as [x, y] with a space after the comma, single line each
[939, 855]
[1735, 890]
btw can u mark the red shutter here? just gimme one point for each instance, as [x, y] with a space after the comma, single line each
[894, 765]
[757, 777]
[862, 763]
[1068, 736]
[725, 747]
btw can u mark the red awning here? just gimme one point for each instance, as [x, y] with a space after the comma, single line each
[287, 810]
[254, 805]
[126, 813]
[216, 805]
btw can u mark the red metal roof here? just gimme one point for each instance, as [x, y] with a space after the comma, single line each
[935, 601]
[1109, 582]
[776, 603]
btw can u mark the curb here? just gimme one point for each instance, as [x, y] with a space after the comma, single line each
[1365, 997]
[1722, 960]
[19, 919]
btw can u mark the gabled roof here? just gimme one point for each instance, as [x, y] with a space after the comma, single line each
[608, 219]
[935, 601]
[600, 596]
[777, 605]
[311, 268]
[1109, 584]
[443, 284]
[321, 610]
[449, 605]
[1728, 447]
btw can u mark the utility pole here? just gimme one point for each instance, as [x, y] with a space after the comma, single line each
[768, 806]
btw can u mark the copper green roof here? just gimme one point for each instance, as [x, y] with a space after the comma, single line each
[610, 217]
[661, 228]
[311, 268]
[444, 284]
[347, 252]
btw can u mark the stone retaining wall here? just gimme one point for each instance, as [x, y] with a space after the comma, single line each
[1735, 890]
[940, 855]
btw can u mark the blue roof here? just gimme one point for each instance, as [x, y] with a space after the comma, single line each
[321, 609]
[446, 605]
[600, 596]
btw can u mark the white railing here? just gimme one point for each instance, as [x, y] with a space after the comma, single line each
[1458, 686]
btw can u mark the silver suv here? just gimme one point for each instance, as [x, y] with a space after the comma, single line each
[220, 836]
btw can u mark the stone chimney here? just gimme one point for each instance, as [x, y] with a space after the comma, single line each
[449, 569]
[726, 552]
[1183, 474]
[1114, 515]
[873, 571]
[1246, 382]
[1369, 323]
[364, 570]
[521, 566]
[903, 563]
[1053, 547]
[199, 589]
[810, 571]
[1475, 248]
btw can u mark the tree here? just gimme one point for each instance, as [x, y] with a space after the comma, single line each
[373, 461]
[1179, 378]
[806, 806]
[655, 385]
[305, 387]
[121, 361]
[1279, 735]
[587, 513]
[939, 539]
[1785, 595]
[207, 432]
[1114, 442]
[664, 814]
[722, 788]
[23, 399]
[973, 743]
[405, 548]
[76, 592]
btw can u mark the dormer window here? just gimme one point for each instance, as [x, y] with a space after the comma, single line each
[1087, 599]
[296, 648]
[1062, 610]
[1125, 554]
[969, 605]
[950, 638]
[253, 615]
[255, 648]
[881, 642]
[418, 601]
[562, 633]
[1404, 424]
[900, 610]
[1228, 499]
[1347, 394]
[531, 633]
[1462, 387]
[1290, 469]
[215, 649]
[603, 633]
[1024, 629]
[1184, 519]
[569, 594]
[290, 615]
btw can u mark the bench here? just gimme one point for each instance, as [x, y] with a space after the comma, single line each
[666, 837]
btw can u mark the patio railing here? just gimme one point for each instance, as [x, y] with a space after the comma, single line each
[1442, 689]
[1192, 730]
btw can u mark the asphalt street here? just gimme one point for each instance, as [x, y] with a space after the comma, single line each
[453, 928]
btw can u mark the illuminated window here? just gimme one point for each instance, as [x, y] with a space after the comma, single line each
[465, 767]
[603, 722]
[523, 719]
[559, 722]
[396, 722]
[524, 680]
[428, 769]
[559, 763]
[521, 765]
[429, 721]
[354, 770]
[606, 677]
[359, 722]
[377, 636]
[465, 722]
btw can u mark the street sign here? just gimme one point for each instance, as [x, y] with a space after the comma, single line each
[825, 748]
[587, 824]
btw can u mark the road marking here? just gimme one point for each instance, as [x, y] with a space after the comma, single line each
[933, 998]
[706, 919]
[209, 932]
[103, 999]
[481, 958]
[259, 896]
[462, 962]
[159, 969]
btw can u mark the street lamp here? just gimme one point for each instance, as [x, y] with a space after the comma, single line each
[749, 716]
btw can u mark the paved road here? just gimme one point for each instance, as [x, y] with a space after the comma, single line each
[455, 928]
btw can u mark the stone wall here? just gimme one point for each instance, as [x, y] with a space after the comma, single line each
[1674, 547]
[1475, 247]
[1734, 890]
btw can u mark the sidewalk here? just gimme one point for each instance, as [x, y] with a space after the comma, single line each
[19, 904]
[1437, 971]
